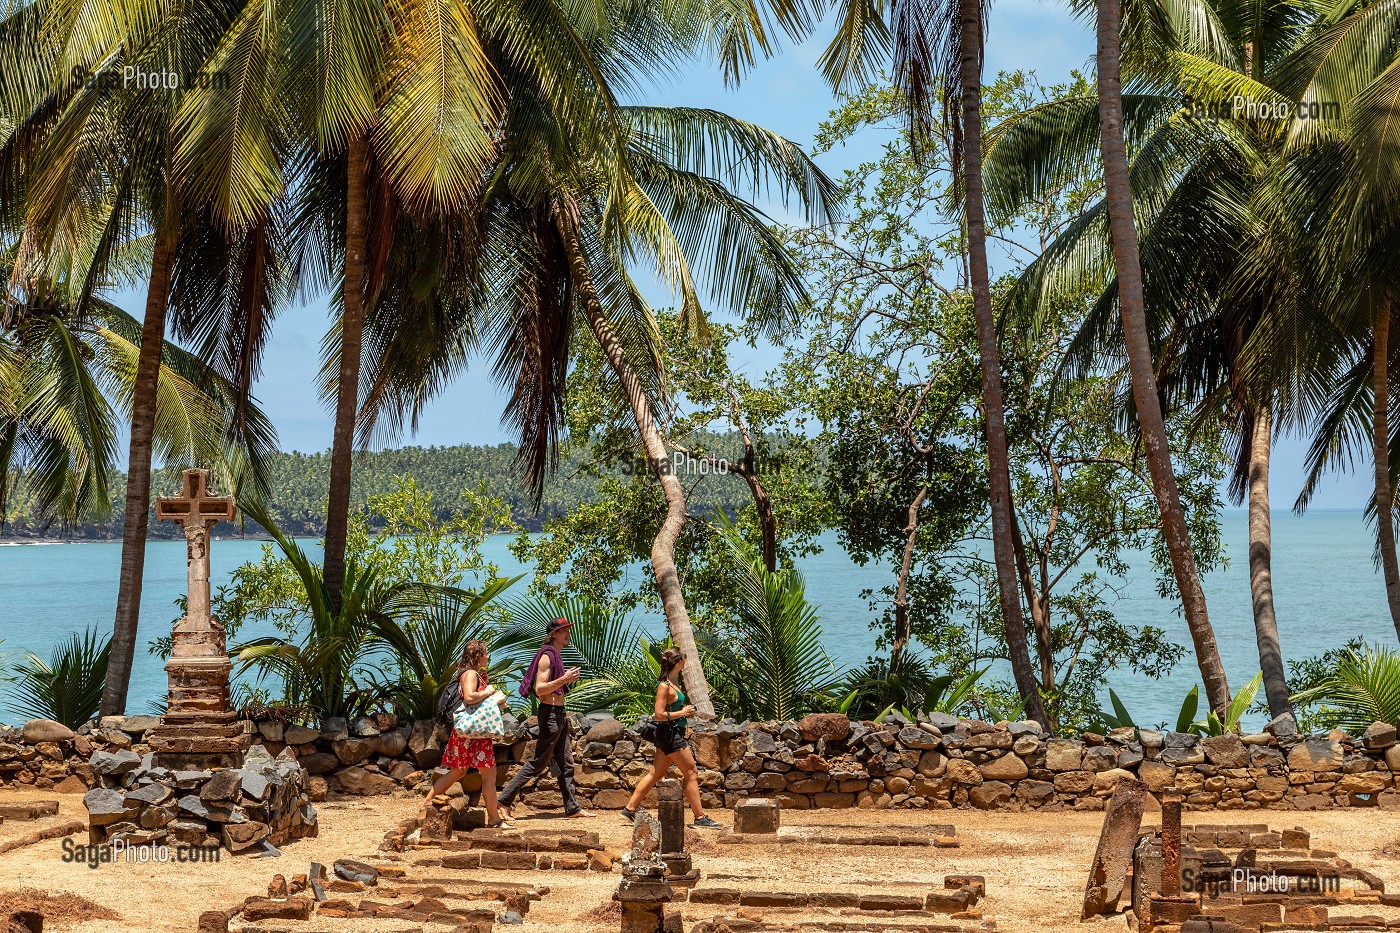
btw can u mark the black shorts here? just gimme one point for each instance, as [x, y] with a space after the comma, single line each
[670, 740]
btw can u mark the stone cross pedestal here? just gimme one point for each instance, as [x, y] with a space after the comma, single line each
[643, 892]
[199, 730]
[680, 871]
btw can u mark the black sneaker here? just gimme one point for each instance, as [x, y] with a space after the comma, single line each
[706, 823]
[628, 814]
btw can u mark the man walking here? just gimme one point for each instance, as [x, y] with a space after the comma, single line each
[549, 680]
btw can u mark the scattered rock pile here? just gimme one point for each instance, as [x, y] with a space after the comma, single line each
[262, 804]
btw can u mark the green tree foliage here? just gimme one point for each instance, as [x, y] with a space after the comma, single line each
[889, 373]
[599, 549]
[296, 487]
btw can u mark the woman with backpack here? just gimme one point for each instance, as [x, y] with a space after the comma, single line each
[670, 712]
[463, 754]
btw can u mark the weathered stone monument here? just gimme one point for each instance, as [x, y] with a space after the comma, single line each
[680, 871]
[1114, 856]
[199, 730]
[643, 892]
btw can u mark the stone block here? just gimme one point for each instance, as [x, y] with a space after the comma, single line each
[293, 908]
[1009, 767]
[990, 795]
[1157, 775]
[1063, 755]
[1225, 751]
[1074, 782]
[891, 902]
[1315, 755]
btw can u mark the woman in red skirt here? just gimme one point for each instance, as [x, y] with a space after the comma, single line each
[461, 755]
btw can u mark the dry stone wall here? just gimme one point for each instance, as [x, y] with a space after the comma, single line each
[822, 761]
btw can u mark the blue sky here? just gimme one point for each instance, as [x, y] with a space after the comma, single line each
[788, 95]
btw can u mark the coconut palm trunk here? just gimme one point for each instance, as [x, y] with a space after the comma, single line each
[663, 546]
[138, 476]
[970, 12]
[1261, 586]
[347, 394]
[139, 470]
[1380, 439]
[1119, 201]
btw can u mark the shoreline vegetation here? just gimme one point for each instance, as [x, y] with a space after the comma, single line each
[298, 481]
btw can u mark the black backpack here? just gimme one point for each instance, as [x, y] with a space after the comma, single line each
[448, 700]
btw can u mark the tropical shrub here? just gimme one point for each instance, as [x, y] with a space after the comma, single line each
[66, 688]
[323, 663]
[1309, 708]
[425, 630]
[773, 655]
[1186, 720]
[1364, 688]
[909, 687]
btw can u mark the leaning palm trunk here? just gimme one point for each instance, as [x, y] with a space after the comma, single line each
[1380, 438]
[138, 477]
[989, 359]
[1119, 200]
[663, 546]
[1261, 584]
[347, 394]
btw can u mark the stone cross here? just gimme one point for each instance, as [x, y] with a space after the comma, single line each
[199, 730]
[199, 511]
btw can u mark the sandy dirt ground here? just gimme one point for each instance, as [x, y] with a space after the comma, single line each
[1034, 864]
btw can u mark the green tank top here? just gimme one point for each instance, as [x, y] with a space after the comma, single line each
[677, 705]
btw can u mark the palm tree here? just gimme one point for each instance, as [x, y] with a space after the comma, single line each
[1341, 155]
[1221, 266]
[79, 136]
[327, 668]
[68, 686]
[774, 659]
[69, 377]
[962, 75]
[550, 242]
[1118, 201]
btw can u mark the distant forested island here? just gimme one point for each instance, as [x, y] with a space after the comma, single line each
[297, 485]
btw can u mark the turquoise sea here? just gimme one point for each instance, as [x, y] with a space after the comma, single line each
[1326, 590]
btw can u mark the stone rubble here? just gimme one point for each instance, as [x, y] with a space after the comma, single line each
[264, 803]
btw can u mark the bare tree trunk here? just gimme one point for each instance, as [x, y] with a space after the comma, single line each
[138, 476]
[1380, 439]
[1119, 198]
[347, 397]
[901, 592]
[1261, 584]
[663, 546]
[1040, 609]
[989, 359]
[767, 521]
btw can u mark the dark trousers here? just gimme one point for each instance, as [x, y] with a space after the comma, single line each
[553, 744]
